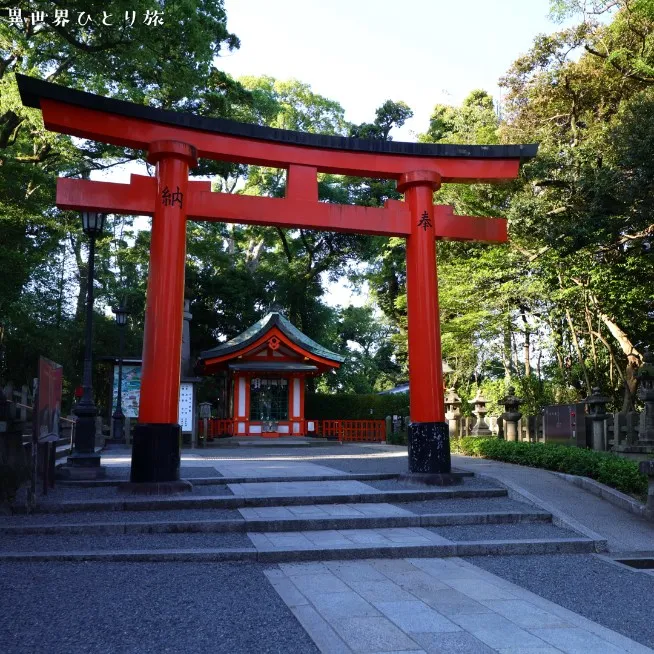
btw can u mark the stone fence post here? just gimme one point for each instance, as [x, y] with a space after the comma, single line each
[647, 468]
[645, 376]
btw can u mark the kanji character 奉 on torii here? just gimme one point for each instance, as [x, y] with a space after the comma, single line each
[174, 141]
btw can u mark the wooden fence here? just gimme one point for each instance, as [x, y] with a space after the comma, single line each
[369, 431]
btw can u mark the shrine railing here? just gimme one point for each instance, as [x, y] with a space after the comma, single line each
[216, 428]
[371, 431]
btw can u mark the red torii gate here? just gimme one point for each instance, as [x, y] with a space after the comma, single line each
[175, 140]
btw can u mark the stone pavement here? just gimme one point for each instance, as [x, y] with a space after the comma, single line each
[431, 605]
[342, 508]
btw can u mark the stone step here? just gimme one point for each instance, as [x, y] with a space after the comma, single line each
[299, 522]
[280, 554]
[247, 495]
[210, 481]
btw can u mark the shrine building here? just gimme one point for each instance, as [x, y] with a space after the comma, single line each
[266, 368]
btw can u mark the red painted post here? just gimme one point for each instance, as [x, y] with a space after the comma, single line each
[155, 456]
[429, 450]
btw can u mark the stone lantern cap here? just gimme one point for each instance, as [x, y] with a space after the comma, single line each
[596, 402]
[511, 402]
[452, 397]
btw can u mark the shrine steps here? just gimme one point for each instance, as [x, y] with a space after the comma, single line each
[264, 521]
[182, 502]
[213, 481]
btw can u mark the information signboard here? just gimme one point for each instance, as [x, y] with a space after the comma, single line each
[131, 395]
[185, 418]
[131, 388]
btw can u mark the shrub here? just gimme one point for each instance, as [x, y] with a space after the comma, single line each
[610, 469]
[353, 406]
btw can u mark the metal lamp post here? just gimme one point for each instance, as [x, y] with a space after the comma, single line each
[118, 415]
[84, 455]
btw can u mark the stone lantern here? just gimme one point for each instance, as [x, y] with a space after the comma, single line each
[453, 414]
[480, 428]
[205, 415]
[597, 412]
[645, 376]
[512, 414]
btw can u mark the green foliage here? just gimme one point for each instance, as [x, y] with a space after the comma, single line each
[610, 469]
[350, 406]
[390, 114]
[560, 308]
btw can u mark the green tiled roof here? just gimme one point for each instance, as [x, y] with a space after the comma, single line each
[270, 320]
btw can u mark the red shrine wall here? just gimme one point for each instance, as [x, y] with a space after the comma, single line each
[244, 425]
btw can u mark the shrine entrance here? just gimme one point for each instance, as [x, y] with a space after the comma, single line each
[174, 141]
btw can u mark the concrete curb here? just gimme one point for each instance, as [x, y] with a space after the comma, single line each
[615, 497]
[279, 525]
[239, 501]
[281, 555]
[559, 518]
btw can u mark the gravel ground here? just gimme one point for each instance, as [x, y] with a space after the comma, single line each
[130, 608]
[212, 489]
[396, 464]
[120, 516]
[186, 472]
[476, 505]
[613, 596]
[125, 542]
[394, 484]
[503, 532]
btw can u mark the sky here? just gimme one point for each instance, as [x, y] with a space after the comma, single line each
[364, 52]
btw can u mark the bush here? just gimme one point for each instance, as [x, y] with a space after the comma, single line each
[351, 406]
[610, 469]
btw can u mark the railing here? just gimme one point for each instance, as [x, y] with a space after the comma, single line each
[370, 431]
[216, 428]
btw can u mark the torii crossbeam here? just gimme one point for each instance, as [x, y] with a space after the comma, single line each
[174, 141]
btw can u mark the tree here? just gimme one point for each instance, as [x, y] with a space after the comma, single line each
[42, 248]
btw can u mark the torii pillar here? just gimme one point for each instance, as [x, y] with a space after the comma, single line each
[429, 451]
[155, 451]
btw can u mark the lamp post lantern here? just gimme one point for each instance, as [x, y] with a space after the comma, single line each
[118, 415]
[84, 457]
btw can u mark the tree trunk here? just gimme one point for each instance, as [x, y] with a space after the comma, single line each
[526, 348]
[577, 347]
[634, 359]
[506, 349]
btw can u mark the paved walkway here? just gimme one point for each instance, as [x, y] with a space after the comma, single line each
[431, 605]
[624, 531]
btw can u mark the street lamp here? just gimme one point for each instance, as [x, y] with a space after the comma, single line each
[118, 416]
[84, 457]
